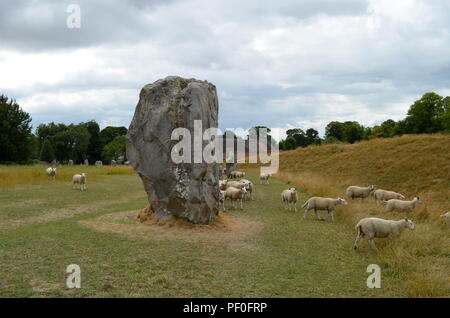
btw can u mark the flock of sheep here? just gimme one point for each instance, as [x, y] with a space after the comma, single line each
[78, 180]
[237, 191]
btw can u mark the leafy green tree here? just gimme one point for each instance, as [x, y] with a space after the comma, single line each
[110, 132]
[15, 132]
[313, 137]
[115, 149]
[335, 129]
[47, 152]
[290, 143]
[331, 140]
[72, 143]
[425, 115]
[95, 146]
[385, 130]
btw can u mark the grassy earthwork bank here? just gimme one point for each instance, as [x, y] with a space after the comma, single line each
[263, 251]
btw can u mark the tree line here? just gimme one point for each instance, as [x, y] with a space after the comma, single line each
[55, 141]
[430, 114]
[77, 142]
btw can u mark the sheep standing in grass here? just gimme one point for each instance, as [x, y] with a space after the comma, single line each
[51, 172]
[79, 179]
[223, 184]
[239, 174]
[446, 217]
[289, 197]
[222, 199]
[319, 203]
[235, 194]
[380, 228]
[248, 188]
[402, 206]
[359, 192]
[236, 184]
[264, 177]
[385, 195]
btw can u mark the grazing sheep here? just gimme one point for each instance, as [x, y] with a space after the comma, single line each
[235, 194]
[359, 192]
[264, 177]
[223, 184]
[222, 199]
[289, 197]
[79, 179]
[319, 203]
[404, 206]
[239, 174]
[51, 172]
[249, 188]
[236, 184]
[385, 195]
[380, 228]
[446, 217]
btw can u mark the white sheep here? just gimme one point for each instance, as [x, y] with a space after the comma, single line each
[249, 188]
[51, 172]
[236, 184]
[264, 177]
[385, 195]
[235, 194]
[79, 179]
[359, 192]
[222, 199]
[403, 206]
[289, 197]
[446, 217]
[239, 174]
[319, 203]
[223, 184]
[380, 228]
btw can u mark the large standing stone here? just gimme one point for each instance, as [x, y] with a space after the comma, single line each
[185, 190]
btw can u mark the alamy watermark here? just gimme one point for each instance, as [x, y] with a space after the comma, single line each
[374, 279]
[211, 146]
[73, 21]
[74, 279]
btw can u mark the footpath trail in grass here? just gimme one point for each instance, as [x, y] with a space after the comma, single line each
[285, 256]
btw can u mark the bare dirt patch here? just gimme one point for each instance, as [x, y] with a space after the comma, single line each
[227, 228]
[63, 213]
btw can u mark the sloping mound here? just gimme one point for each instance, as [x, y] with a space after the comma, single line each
[410, 163]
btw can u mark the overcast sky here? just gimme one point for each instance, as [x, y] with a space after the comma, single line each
[281, 63]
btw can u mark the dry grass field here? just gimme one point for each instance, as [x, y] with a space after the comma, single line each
[263, 251]
[415, 165]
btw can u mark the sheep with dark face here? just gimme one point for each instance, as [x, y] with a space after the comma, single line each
[380, 228]
[359, 192]
[319, 203]
[289, 197]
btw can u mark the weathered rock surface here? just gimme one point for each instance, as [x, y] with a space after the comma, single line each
[184, 190]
